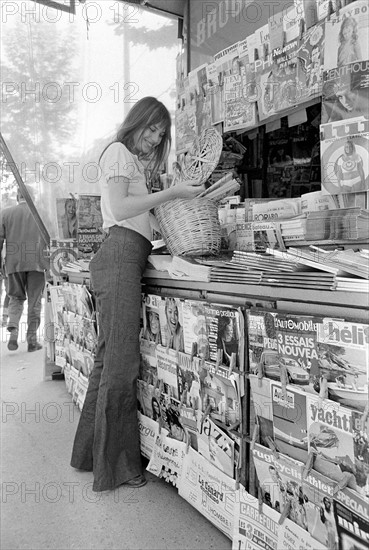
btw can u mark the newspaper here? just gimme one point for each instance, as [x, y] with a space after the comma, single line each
[208, 490]
[254, 528]
[167, 458]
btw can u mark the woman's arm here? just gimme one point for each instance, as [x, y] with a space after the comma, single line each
[125, 207]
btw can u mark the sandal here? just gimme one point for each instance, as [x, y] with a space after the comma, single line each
[138, 481]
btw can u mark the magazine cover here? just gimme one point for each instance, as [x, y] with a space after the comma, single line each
[209, 490]
[148, 399]
[280, 483]
[267, 235]
[216, 446]
[347, 36]
[285, 83]
[215, 91]
[247, 71]
[254, 528]
[239, 113]
[189, 387]
[267, 91]
[344, 156]
[221, 394]
[149, 429]
[330, 436]
[226, 335]
[351, 513]
[291, 535]
[166, 459]
[66, 214]
[262, 401]
[343, 361]
[171, 323]
[89, 225]
[310, 62]
[195, 328]
[290, 421]
[296, 347]
[167, 365]
[148, 362]
[317, 492]
[261, 335]
[151, 323]
[345, 92]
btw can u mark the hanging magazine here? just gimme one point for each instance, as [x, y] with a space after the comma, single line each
[90, 233]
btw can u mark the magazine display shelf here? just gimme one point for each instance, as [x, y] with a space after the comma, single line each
[330, 303]
[241, 293]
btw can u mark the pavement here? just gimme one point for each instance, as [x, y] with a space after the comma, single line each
[46, 504]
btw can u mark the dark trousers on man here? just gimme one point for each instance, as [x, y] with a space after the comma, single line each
[22, 286]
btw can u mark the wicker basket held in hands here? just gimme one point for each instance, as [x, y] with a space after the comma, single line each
[191, 227]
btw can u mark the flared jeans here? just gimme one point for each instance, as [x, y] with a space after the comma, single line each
[107, 438]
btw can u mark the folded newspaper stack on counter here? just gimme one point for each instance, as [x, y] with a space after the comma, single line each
[223, 188]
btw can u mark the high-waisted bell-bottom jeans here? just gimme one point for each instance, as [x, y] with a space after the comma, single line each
[107, 438]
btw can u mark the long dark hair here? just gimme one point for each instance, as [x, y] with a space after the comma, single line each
[145, 113]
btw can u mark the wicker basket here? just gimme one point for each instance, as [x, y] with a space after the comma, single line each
[190, 227]
[201, 159]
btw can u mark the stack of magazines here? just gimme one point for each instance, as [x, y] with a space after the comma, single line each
[343, 224]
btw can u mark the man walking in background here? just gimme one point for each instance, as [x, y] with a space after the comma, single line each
[25, 263]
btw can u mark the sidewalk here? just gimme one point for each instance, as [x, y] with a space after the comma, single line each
[46, 504]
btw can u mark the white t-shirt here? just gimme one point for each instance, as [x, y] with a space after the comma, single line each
[117, 160]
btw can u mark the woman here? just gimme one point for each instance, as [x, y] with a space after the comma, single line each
[107, 438]
[227, 341]
[174, 329]
[69, 220]
[349, 47]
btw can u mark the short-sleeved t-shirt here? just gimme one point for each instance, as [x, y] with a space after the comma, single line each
[117, 160]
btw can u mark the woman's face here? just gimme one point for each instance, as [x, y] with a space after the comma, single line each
[347, 32]
[172, 317]
[154, 322]
[228, 332]
[146, 141]
[70, 208]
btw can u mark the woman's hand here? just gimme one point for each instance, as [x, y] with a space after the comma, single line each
[185, 190]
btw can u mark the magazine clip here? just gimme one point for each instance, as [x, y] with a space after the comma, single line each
[308, 466]
[323, 393]
[161, 386]
[364, 419]
[193, 350]
[260, 502]
[272, 447]
[238, 477]
[285, 512]
[160, 422]
[260, 374]
[302, 28]
[347, 478]
[255, 436]
[206, 414]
